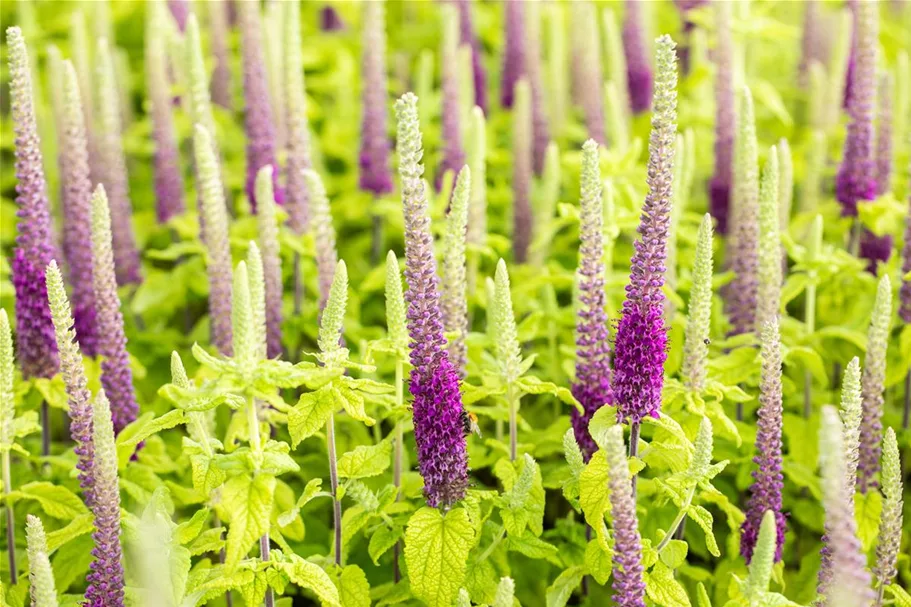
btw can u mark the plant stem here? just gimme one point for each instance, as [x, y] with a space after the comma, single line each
[906, 416]
[333, 480]
[264, 555]
[45, 429]
[376, 248]
[257, 448]
[513, 403]
[680, 516]
[810, 320]
[634, 450]
[496, 542]
[10, 521]
[298, 285]
[879, 595]
[398, 462]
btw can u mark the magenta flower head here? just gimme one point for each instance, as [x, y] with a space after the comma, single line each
[875, 249]
[453, 152]
[259, 125]
[434, 383]
[469, 37]
[640, 348]
[376, 175]
[768, 481]
[330, 20]
[856, 178]
[725, 119]
[514, 54]
[34, 245]
[592, 385]
[638, 69]
[180, 10]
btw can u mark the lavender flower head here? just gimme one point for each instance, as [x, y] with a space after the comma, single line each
[434, 383]
[641, 344]
[884, 134]
[271, 263]
[533, 72]
[330, 20]
[298, 158]
[638, 69]
[42, 590]
[77, 194]
[629, 587]
[453, 152]
[221, 75]
[514, 53]
[116, 375]
[259, 125]
[592, 384]
[725, 119]
[873, 387]
[875, 249]
[180, 10]
[768, 481]
[34, 245]
[323, 234]
[587, 68]
[105, 578]
[698, 322]
[856, 178]
[890, 524]
[469, 37]
[522, 171]
[376, 175]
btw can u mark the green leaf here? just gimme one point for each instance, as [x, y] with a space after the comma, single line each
[82, 524]
[703, 518]
[353, 403]
[310, 491]
[436, 552]
[702, 596]
[561, 590]
[663, 589]
[56, 500]
[382, 540]
[900, 595]
[247, 503]
[598, 563]
[523, 502]
[533, 547]
[143, 428]
[365, 461]
[53, 391]
[312, 577]
[593, 494]
[353, 588]
[312, 412]
[189, 530]
[674, 553]
[530, 384]
[868, 508]
[276, 460]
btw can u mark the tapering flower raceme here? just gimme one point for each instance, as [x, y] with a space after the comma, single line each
[851, 416]
[256, 290]
[638, 68]
[273, 33]
[522, 171]
[246, 349]
[683, 52]
[743, 250]
[200, 105]
[333, 317]
[298, 158]
[330, 20]
[259, 124]
[42, 589]
[375, 172]
[77, 193]
[698, 322]
[640, 348]
[396, 327]
[168, 179]
[615, 74]
[514, 53]
[469, 37]
[760, 570]
[768, 481]
[533, 72]
[785, 185]
[34, 240]
[890, 524]
[74, 379]
[477, 164]
[323, 233]
[105, 578]
[453, 153]
[629, 587]
[7, 365]
[769, 290]
[873, 385]
[904, 310]
[180, 10]
[592, 384]
[80, 49]
[856, 178]
[884, 135]
[215, 237]
[112, 168]
[116, 374]
[272, 262]
[813, 49]
[455, 285]
[850, 578]
[434, 383]
[508, 351]
[725, 119]
[587, 70]
[221, 75]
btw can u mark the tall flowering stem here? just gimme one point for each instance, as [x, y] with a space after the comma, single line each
[259, 124]
[628, 586]
[42, 590]
[453, 152]
[168, 179]
[455, 286]
[587, 70]
[323, 233]
[770, 275]
[768, 481]
[508, 352]
[112, 168]
[7, 414]
[890, 524]
[514, 53]
[638, 69]
[534, 74]
[469, 37]
[34, 240]
[904, 309]
[873, 387]
[116, 374]
[80, 47]
[522, 149]
[215, 238]
[698, 322]
[641, 343]
[77, 193]
[856, 178]
[884, 135]
[434, 382]
[272, 262]
[221, 76]
[725, 119]
[592, 384]
[477, 163]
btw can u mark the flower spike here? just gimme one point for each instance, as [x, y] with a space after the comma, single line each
[725, 119]
[454, 295]
[514, 55]
[453, 152]
[41, 578]
[628, 586]
[769, 289]
[272, 261]
[375, 173]
[890, 524]
[638, 70]
[695, 348]
[323, 233]
[522, 171]
[873, 387]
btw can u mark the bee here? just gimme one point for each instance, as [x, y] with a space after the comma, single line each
[470, 423]
[706, 341]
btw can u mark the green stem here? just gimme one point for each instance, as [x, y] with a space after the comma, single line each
[45, 429]
[634, 451]
[513, 403]
[333, 481]
[810, 320]
[496, 542]
[298, 285]
[398, 462]
[257, 448]
[680, 516]
[10, 521]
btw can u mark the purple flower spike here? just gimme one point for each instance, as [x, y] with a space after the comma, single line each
[641, 345]
[514, 55]
[587, 69]
[884, 135]
[376, 175]
[258, 122]
[725, 119]
[221, 76]
[434, 383]
[628, 586]
[330, 20]
[168, 180]
[77, 211]
[453, 152]
[469, 37]
[856, 178]
[522, 171]
[768, 481]
[34, 245]
[533, 70]
[683, 51]
[180, 10]
[875, 249]
[638, 69]
[592, 386]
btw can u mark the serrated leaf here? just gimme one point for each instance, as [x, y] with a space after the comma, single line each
[663, 589]
[562, 589]
[365, 461]
[55, 500]
[530, 384]
[436, 552]
[900, 595]
[312, 412]
[353, 588]
[189, 530]
[598, 563]
[82, 524]
[353, 403]
[310, 491]
[674, 553]
[247, 503]
[703, 518]
[143, 428]
[312, 577]
[593, 494]
[382, 540]
[532, 546]
[868, 508]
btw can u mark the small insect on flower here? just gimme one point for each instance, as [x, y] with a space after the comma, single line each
[470, 423]
[707, 341]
